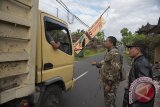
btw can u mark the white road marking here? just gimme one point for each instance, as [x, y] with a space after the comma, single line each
[81, 76]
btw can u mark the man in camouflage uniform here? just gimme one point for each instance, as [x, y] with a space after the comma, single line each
[110, 71]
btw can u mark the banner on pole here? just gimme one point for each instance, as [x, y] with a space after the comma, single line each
[88, 35]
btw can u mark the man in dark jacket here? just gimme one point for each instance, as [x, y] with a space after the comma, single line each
[140, 68]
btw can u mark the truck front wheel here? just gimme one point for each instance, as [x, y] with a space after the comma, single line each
[52, 97]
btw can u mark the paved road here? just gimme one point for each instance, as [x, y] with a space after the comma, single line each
[126, 68]
[83, 93]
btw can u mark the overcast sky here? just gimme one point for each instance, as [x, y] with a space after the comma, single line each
[123, 13]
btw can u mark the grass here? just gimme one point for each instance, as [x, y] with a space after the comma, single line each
[90, 52]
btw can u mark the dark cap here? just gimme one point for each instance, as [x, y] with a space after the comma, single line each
[139, 43]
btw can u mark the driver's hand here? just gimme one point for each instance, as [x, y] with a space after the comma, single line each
[55, 45]
[94, 63]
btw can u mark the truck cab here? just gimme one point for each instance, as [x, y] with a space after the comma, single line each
[54, 66]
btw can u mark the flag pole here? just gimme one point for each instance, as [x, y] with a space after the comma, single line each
[104, 11]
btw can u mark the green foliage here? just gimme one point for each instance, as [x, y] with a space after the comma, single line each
[128, 38]
[152, 41]
[125, 32]
[78, 33]
[100, 36]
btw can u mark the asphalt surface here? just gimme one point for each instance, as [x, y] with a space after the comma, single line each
[84, 93]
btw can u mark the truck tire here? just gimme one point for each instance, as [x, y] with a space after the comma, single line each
[52, 97]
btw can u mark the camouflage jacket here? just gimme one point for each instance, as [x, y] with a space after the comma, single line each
[110, 66]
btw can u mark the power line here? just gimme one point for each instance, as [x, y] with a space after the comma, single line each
[81, 7]
[68, 11]
[73, 15]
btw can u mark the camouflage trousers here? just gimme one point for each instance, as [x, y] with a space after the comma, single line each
[110, 96]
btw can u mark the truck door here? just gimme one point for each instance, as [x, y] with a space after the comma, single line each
[56, 62]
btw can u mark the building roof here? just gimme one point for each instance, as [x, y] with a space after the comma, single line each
[145, 28]
[148, 29]
[159, 21]
[155, 29]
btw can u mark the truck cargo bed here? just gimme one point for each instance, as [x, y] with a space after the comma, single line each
[18, 22]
